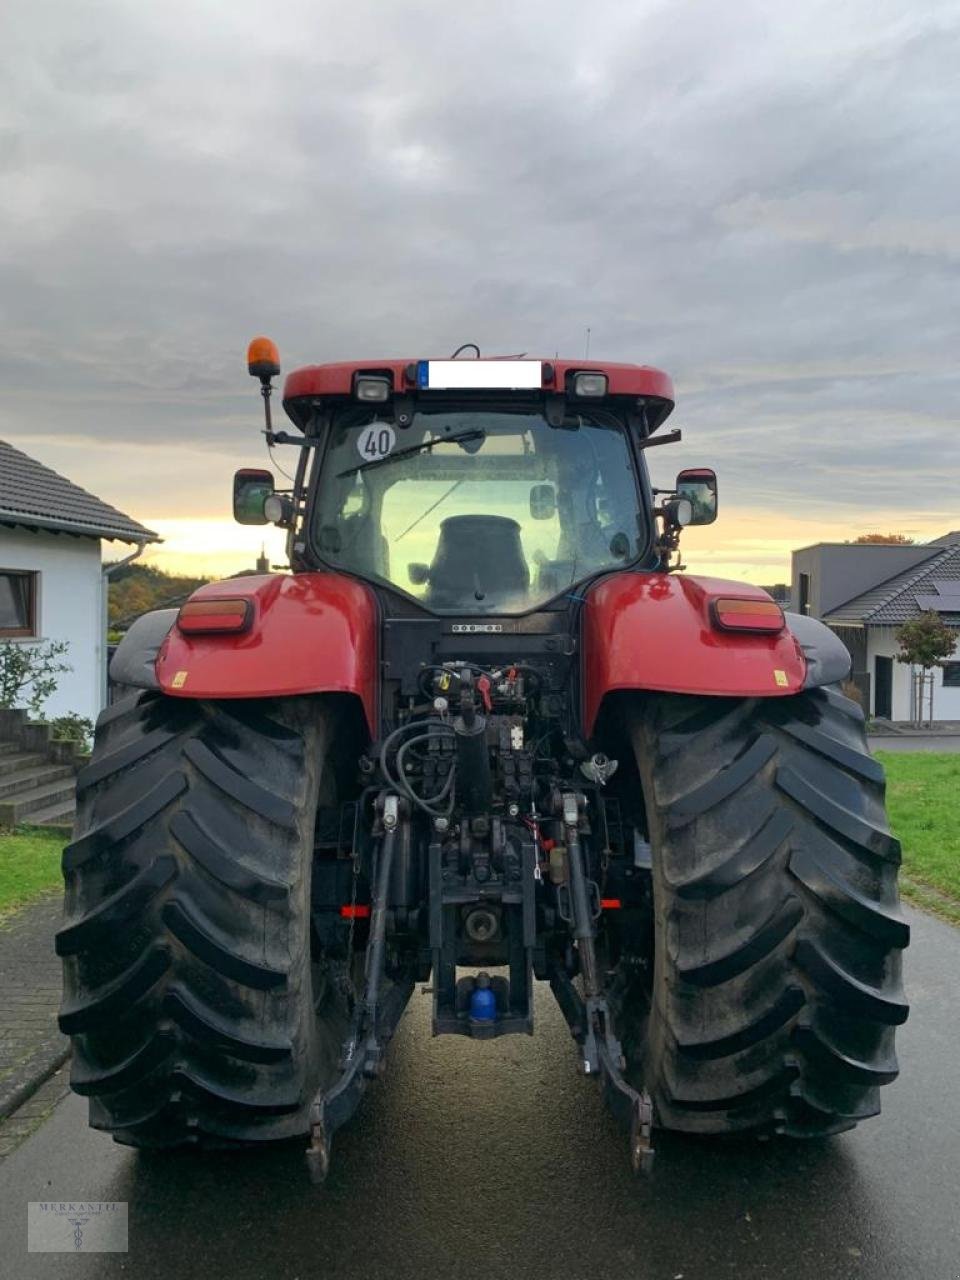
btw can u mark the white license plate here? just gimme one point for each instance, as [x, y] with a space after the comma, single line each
[479, 375]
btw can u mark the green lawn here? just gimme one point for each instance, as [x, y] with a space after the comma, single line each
[923, 798]
[29, 867]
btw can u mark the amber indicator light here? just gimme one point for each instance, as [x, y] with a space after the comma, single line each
[747, 615]
[214, 615]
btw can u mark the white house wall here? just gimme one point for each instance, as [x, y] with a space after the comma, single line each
[68, 608]
[882, 642]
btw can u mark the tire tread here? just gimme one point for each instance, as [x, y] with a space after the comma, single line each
[778, 936]
[187, 984]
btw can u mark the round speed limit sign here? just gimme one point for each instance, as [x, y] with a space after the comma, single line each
[376, 441]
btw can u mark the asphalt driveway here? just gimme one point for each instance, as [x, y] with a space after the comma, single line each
[498, 1160]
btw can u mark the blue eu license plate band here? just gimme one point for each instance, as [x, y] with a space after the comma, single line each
[479, 375]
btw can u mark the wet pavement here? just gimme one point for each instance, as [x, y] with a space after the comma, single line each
[497, 1160]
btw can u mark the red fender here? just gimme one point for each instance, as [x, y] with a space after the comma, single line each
[654, 631]
[310, 633]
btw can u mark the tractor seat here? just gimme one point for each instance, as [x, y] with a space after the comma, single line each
[479, 561]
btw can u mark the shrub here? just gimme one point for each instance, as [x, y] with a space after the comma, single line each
[72, 728]
[29, 673]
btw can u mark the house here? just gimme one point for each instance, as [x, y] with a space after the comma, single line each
[779, 591]
[52, 583]
[864, 592]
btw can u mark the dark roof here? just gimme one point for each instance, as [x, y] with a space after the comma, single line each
[946, 539]
[34, 495]
[906, 595]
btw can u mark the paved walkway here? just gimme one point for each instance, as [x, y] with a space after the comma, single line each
[915, 742]
[30, 1042]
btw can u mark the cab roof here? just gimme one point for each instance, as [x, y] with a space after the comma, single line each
[304, 387]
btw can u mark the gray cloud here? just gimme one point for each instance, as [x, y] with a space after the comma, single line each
[761, 201]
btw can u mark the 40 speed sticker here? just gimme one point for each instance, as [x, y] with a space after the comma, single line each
[376, 441]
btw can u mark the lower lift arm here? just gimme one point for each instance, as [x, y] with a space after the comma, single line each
[602, 1054]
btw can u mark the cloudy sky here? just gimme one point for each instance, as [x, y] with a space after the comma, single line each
[760, 198]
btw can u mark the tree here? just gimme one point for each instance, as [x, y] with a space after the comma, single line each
[925, 642]
[136, 589]
[894, 539]
[29, 673]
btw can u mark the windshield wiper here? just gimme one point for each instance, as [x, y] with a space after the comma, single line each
[475, 434]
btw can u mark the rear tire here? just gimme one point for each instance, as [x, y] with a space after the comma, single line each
[188, 990]
[778, 934]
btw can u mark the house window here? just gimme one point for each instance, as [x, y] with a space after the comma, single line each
[18, 603]
[951, 675]
[804, 601]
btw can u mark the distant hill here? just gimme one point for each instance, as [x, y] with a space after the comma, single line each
[138, 588]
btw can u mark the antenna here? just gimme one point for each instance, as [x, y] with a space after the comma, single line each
[586, 349]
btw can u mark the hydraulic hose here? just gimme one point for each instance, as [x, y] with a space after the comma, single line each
[400, 782]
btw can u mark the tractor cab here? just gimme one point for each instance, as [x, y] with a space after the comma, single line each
[470, 487]
[477, 510]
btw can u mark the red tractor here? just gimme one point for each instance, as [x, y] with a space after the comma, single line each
[482, 733]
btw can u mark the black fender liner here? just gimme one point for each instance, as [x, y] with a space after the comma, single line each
[828, 658]
[133, 664]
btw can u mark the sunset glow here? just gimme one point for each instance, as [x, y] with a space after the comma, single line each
[750, 545]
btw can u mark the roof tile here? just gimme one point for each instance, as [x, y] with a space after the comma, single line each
[896, 600]
[34, 495]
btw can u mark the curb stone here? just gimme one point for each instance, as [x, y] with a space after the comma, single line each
[23, 1082]
[32, 1047]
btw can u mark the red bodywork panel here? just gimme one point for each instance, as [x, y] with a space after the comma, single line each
[317, 633]
[653, 631]
[310, 633]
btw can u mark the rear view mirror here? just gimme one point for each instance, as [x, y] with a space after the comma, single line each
[251, 489]
[418, 574]
[543, 502]
[699, 486]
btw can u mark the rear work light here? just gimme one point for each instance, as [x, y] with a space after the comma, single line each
[372, 388]
[590, 384]
[732, 614]
[215, 615]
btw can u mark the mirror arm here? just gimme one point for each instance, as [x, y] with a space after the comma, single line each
[651, 442]
[284, 437]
